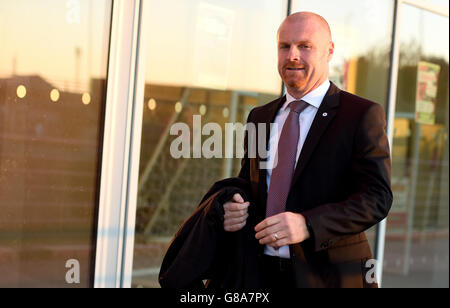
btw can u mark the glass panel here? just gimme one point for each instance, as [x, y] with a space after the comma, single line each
[360, 64]
[417, 249]
[53, 60]
[213, 59]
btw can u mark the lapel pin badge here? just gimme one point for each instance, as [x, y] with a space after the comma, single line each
[324, 114]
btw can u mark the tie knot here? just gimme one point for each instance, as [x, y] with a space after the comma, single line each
[298, 106]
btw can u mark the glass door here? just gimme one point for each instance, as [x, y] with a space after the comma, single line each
[417, 239]
[210, 63]
[53, 63]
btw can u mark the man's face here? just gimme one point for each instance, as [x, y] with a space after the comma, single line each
[304, 50]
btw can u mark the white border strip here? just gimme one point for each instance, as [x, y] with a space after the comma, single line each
[135, 148]
[116, 146]
[381, 228]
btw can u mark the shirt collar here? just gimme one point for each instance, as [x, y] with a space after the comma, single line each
[314, 98]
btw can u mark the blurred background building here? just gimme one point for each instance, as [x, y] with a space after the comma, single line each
[89, 91]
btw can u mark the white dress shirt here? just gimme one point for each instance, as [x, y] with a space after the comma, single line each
[314, 99]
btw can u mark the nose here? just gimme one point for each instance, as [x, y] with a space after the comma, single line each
[294, 54]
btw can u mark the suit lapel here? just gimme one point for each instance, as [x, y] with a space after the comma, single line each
[326, 113]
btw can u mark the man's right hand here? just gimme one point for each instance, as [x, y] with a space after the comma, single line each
[236, 214]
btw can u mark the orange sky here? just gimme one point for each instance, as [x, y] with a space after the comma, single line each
[217, 44]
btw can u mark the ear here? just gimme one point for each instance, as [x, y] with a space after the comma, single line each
[330, 50]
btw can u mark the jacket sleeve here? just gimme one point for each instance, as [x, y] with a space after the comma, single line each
[371, 199]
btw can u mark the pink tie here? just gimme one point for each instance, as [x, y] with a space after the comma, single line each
[280, 180]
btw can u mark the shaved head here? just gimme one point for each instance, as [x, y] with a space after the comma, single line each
[312, 17]
[305, 49]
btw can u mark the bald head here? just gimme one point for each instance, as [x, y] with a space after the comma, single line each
[313, 18]
[304, 50]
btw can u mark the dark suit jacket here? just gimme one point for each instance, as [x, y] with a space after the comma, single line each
[341, 185]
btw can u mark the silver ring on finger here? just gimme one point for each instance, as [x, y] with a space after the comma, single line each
[275, 236]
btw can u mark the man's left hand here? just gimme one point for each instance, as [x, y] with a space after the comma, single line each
[282, 229]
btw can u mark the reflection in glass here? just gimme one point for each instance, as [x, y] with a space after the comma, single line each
[417, 250]
[86, 98]
[215, 60]
[53, 53]
[21, 91]
[54, 95]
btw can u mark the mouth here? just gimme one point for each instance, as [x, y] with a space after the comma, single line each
[294, 69]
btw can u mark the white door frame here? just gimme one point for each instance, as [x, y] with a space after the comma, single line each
[121, 148]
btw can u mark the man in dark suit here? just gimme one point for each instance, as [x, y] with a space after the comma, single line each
[302, 222]
[341, 183]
